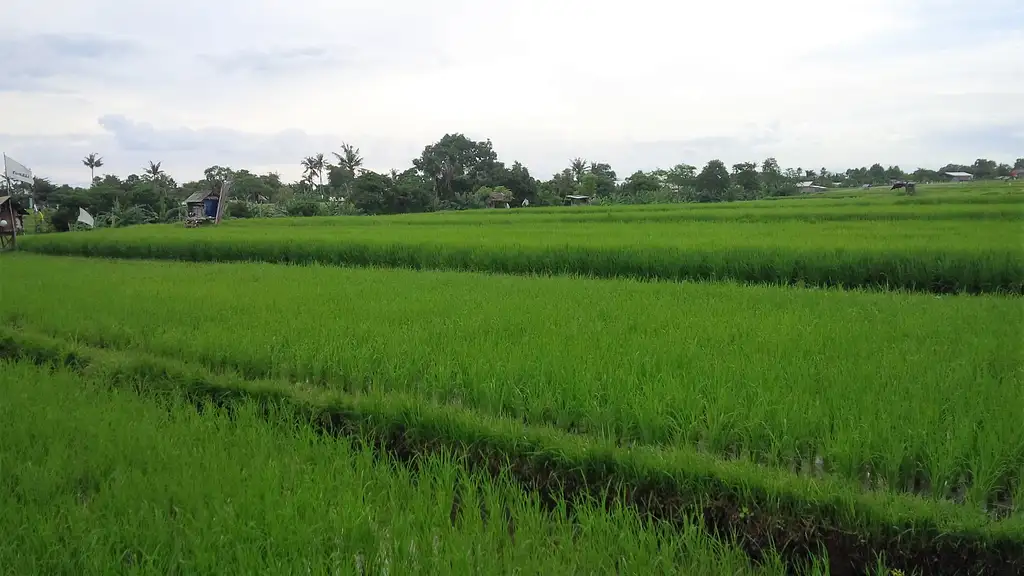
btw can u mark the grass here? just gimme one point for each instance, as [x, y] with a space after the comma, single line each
[771, 513]
[248, 491]
[966, 247]
[551, 424]
[882, 388]
[944, 256]
[977, 201]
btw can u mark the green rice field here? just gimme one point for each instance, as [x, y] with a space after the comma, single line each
[196, 493]
[939, 248]
[836, 387]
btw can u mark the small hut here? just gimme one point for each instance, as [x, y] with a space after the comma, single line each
[576, 200]
[12, 221]
[498, 200]
[810, 187]
[960, 176]
[205, 206]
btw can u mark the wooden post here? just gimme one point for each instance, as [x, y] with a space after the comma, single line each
[14, 223]
[225, 188]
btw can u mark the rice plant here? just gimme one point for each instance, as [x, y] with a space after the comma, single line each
[933, 256]
[98, 480]
[901, 392]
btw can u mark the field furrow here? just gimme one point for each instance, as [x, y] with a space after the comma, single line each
[264, 493]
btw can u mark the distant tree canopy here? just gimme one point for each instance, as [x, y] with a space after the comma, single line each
[454, 173]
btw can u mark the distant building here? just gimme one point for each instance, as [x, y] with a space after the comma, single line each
[203, 204]
[498, 200]
[809, 187]
[1018, 173]
[960, 176]
[576, 199]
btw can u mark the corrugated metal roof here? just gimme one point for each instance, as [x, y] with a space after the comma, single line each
[198, 196]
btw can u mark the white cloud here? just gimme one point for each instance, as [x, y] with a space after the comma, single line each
[639, 84]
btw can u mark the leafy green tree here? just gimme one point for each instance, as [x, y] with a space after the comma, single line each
[604, 180]
[457, 166]
[410, 192]
[983, 168]
[519, 181]
[639, 184]
[713, 182]
[371, 192]
[894, 173]
[746, 177]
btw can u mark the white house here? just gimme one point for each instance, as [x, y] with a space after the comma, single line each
[809, 186]
[960, 176]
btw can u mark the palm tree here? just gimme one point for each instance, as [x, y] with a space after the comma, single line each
[308, 180]
[578, 167]
[154, 169]
[349, 161]
[308, 168]
[314, 166]
[93, 161]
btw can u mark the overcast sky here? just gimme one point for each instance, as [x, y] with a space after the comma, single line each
[641, 84]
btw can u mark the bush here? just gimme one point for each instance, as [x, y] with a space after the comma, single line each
[302, 207]
[239, 209]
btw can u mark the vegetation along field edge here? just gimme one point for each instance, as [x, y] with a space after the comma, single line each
[913, 393]
[759, 507]
[99, 479]
[922, 269]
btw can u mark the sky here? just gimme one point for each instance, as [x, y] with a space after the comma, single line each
[259, 84]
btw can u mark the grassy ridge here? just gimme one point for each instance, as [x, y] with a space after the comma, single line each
[905, 392]
[823, 211]
[976, 201]
[935, 256]
[249, 492]
[763, 508]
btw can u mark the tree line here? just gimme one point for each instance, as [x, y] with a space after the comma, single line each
[454, 173]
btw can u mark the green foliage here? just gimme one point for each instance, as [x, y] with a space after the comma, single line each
[934, 248]
[713, 182]
[302, 206]
[759, 372]
[100, 474]
[668, 481]
[239, 209]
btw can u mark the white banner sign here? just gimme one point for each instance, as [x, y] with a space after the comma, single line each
[85, 218]
[17, 171]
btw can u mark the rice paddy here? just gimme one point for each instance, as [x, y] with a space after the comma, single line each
[849, 396]
[976, 248]
[257, 493]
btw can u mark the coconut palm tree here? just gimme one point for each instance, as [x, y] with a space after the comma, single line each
[349, 161]
[314, 166]
[154, 169]
[93, 161]
[578, 167]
